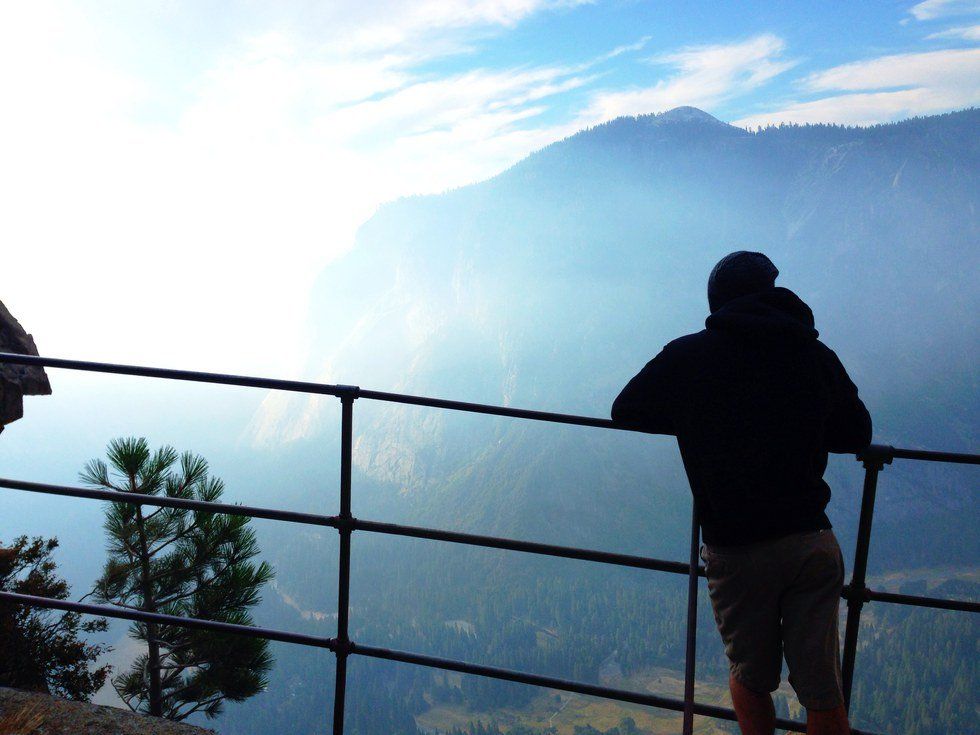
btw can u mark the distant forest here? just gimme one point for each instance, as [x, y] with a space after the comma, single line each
[587, 616]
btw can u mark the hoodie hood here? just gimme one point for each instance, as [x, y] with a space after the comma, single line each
[773, 314]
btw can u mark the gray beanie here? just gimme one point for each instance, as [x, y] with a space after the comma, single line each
[739, 274]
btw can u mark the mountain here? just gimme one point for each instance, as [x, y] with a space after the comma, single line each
[549, 286]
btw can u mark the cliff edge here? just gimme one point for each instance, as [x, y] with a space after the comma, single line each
[33, 713]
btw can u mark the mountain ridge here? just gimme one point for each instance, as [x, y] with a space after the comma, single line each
[548, 287]
[800, 207]
[551, 284]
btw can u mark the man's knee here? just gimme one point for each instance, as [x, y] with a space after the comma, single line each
[761, 682]
[748, 687]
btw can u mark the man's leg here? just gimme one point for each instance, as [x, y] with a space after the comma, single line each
[827, 721]
[755, 711]
[810, 619]
[744, 590]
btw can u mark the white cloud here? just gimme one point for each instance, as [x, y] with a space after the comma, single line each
[965, 33]
[628, 48]
[458, 13]
[858, 109]
[948, 68]
[210, 226]
[884, 89]
[482, 98]
[932, 9]
[374, 25]
[704, 77]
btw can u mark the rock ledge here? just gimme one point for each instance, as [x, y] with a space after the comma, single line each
[32, 713]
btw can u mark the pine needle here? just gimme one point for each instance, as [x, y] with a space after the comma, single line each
[24, 721]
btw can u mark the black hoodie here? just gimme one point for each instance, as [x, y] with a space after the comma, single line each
[756, 402]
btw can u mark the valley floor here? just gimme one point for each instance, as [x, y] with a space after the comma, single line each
[565, 711]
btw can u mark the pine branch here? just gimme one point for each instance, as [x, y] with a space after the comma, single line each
[196, 707]
[183, 534]
[201, 583]
[126, 700]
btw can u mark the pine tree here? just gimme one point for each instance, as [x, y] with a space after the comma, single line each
[180, 562]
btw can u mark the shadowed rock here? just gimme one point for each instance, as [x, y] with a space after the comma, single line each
[39, 714]
[17, 381]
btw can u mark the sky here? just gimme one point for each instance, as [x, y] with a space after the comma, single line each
[175, 174]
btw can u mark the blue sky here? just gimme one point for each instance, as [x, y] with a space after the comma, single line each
[201, 161]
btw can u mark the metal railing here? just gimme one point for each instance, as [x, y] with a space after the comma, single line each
[856, 593]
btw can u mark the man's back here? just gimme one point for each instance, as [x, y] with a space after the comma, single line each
[756, 402]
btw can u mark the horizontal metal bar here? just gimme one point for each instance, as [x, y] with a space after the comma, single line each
[931, 456]
[936, 603]
[433, 534]
[520, 677]
[114, 496]
[518, 413]
[917, 601]
[549, 682]
[111, 611]
[882, 454]
[194, 376]
[301, 386]
[532, 547]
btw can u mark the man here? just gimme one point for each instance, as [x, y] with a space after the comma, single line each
[756, 403]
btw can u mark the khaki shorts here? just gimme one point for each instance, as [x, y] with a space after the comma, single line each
[781, 598]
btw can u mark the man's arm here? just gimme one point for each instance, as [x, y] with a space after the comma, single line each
[849, 426]
[646, 401]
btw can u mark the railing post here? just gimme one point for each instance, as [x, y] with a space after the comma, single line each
[344, 526]
[874, 458]
[692, 624]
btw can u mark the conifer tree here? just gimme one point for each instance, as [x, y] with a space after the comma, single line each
[40, 649]
[179, 562]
